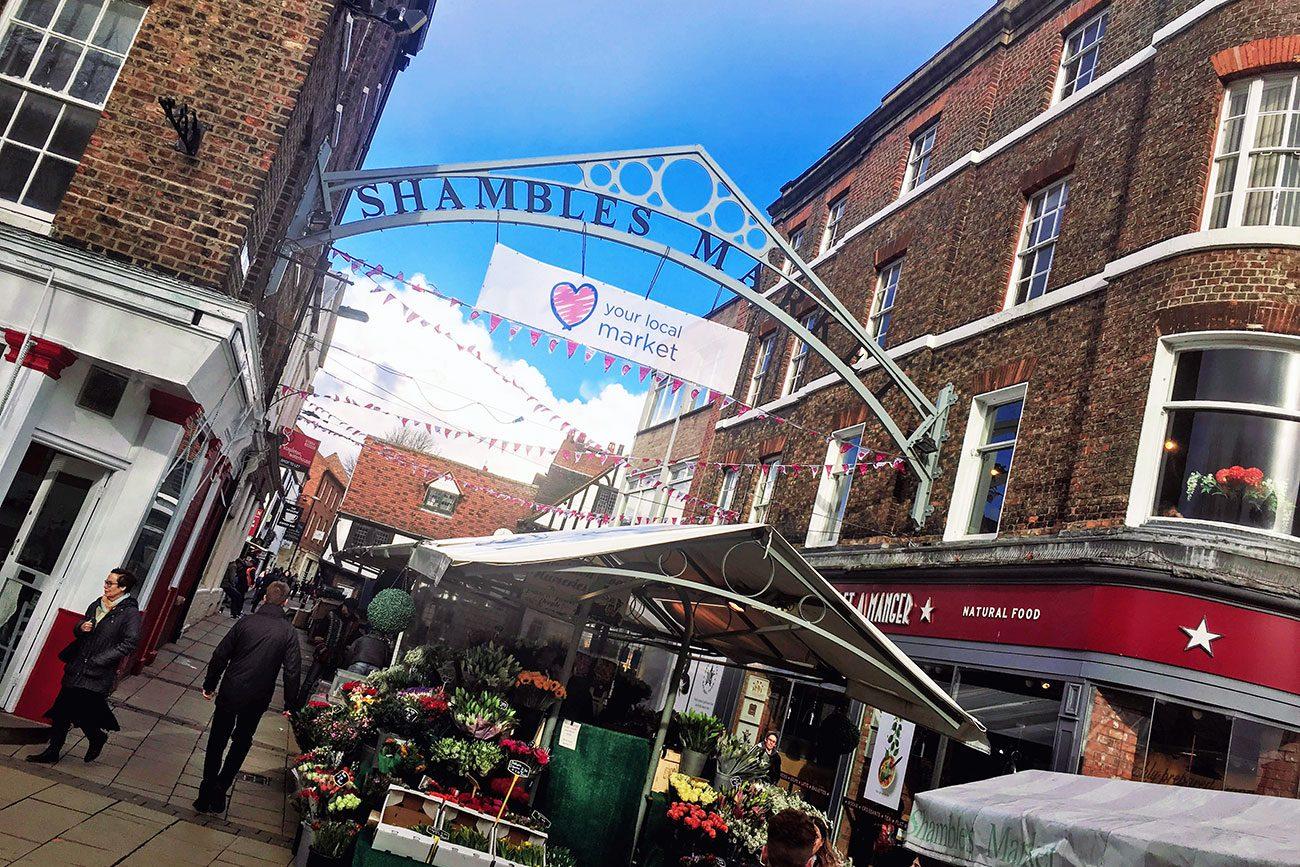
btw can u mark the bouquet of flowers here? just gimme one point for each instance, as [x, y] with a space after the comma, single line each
[695, 827]
[401, 759]
[1247, 485]
[333, 838]
[412, 712]
[527, 854]
[465, 758]
[359, 697]
[535, 690]
[748, 807]
[536, 757]
[699, 731]
[739, 760]
[327, 790]
[304, 722]
[482, 716]
[489, 668]
[341, 731]
[692, 791]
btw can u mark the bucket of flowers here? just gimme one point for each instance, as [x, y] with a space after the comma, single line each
[331, 842]
[400, 758]
[699, 734]
[695, 830]
[412, 712]
[483, 716]
[535, 757]
[1237, 495]
[536, 691]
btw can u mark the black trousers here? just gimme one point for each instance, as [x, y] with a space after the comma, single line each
[233, 728]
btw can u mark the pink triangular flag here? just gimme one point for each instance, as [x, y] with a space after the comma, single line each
[676, 386]
[587, 355]
[625, 369]
[609, 362]
[533, 336]
[389, 297]
[514, 329]
[554, 342]
[645, 371]
[493, 321]
[475, 314]
[571, 346]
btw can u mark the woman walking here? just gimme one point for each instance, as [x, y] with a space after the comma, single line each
[108, 635]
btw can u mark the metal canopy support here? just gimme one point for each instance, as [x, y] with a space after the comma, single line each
[665, 716]
[570, 657]
[755, 238]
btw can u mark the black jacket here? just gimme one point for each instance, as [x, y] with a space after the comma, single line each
[250, 656]
[371, 649]
[235, 582]
[93, 657]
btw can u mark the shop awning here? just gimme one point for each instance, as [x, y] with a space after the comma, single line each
[1040, 817]
[754, 600]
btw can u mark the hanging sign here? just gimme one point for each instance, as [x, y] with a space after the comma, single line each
[298, 448]
[883, 781]
[590, 312]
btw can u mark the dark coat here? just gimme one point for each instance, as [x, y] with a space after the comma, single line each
[251, 656]
[234, 583]
[92, 658]
[370, 649]
[774, 767]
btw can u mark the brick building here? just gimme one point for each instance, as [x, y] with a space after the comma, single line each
[322, 494]
[149, 314]
[1084, 216]
[398, 494]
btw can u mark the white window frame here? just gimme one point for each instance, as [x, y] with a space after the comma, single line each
[1029, 254]
[7, 21]
[1238, 190]
[445, 486]
[834, 219]
[888, 276]
[727, 493]
[966, 481]
[919, 162]
[764, 488]
[762, 367]
[1067, 80]
[1146, 469]
[827, 521]
[346, 59]
[796, 241]
[798, 363]
[662, 405]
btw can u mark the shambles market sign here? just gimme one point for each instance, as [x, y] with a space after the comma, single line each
[612, 320]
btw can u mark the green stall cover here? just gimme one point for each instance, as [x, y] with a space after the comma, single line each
[590, 794]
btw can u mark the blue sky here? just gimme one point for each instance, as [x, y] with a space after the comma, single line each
[765, 86]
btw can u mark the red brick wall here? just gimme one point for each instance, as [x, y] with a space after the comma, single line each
[390, 492]
[1115, 746]
[1139, 150]
[322, 493]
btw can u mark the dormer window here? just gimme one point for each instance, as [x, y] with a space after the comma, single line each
[442, 496]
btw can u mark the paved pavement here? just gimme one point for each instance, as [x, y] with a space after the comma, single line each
[132, 805]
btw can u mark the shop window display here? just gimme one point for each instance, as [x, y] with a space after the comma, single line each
[1021, 715]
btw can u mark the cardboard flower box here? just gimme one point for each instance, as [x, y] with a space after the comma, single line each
[403, 810]
[450, 855]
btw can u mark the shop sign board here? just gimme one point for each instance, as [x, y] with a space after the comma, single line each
[705, 681]
[612, 320]
[1164, 626]
[883, 780]
[290, 514]
[298, 448]
[257, 522]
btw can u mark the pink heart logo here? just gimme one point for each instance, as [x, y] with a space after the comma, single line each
[573, 305]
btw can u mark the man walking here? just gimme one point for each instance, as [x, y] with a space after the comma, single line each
[245, 664]
[234, 585]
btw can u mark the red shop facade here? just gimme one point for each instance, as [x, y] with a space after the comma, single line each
[1150, 679]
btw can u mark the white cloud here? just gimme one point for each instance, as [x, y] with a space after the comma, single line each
[454, 388]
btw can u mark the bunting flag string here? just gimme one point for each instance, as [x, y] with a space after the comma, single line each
[359, 266]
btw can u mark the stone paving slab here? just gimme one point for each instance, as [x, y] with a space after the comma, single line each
[132, 805]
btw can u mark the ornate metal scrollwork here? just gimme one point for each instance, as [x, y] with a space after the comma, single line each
[771, 575]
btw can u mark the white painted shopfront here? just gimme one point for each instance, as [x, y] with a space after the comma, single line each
[93, 412]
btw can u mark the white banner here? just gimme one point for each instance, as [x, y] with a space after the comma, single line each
[883, 781]
[612, 320]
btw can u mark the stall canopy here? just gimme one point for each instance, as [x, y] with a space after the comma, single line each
[1041, 817]
[752, 599]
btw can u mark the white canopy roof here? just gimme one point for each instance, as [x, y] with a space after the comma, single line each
[754, 601]
[1040, 817]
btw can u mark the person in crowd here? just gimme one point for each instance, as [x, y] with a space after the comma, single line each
[588, 694]
[341, 627]
[827, 854]
[233, 585]
[369, 652]
[246, 665]
[260, 585]
[773, 758]
[108, 634]
[792, 840]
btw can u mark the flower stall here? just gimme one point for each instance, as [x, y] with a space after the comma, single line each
[481, 724]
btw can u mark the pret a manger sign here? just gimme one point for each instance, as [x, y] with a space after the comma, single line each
[612, 320]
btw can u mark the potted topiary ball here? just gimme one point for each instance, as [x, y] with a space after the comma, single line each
[391, 611]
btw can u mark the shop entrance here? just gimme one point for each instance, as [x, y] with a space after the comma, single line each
[43, 514]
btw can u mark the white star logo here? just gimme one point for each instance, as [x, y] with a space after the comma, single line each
[1200, 637]
[926, 610]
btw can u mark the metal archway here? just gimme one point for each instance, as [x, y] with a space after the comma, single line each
[626, 191]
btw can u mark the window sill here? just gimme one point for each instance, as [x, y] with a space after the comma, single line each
[970, 537]
[29, 219]
[1191, 526]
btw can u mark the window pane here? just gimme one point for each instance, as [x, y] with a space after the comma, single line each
[994, 469]
[1239, 375]
[51, 182]
[9, 96]
[1230, 143]
[1263, 760]
[74, 131]
[15, 167]
[77, 17]
[1005, 422]
[35, 120]
[37, 12]
[1188, 747]
[53, 524]
[1231, 467]
[54, 67]
[118, 26]
[19, 49]
[95, 77]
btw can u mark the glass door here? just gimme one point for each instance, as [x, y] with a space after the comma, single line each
[41, 518]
